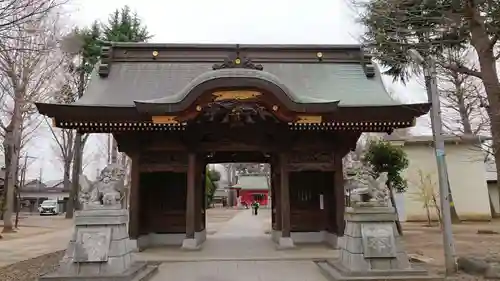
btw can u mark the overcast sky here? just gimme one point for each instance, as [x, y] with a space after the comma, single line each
[224, 21]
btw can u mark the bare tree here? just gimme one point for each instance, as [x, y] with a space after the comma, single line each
[393, 27]
[16, 15]
[462, 96]
[28, 62]
[66, 93]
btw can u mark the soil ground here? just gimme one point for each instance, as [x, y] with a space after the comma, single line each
[30, 225]
[427, 241]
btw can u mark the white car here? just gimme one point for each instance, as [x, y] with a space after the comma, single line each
[49, 207]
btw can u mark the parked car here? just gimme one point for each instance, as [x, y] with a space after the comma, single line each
[49, 207]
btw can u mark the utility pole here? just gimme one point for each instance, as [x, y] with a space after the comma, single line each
[430, 75]
[39, 186]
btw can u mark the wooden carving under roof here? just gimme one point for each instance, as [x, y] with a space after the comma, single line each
[237, 61]
[235, 112]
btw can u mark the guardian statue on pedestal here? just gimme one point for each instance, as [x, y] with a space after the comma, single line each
[360, 180]
[106, 191]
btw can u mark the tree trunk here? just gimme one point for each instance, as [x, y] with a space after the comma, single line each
[438, 211]
[75, 176]
[18, 207]
[453, 211]
[13, 142]
[393, 203]
[67, 177]
[462, 109]
[489, 76]
[114, 151]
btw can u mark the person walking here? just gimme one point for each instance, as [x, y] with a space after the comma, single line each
[255, 206]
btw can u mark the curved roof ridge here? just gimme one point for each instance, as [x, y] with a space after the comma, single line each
[226, 73]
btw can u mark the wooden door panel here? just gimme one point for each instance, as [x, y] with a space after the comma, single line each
[306, 188]
[163, 202]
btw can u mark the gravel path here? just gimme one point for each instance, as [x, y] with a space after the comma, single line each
[29, 270]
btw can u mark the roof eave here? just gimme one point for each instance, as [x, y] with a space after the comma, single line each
[76, 112]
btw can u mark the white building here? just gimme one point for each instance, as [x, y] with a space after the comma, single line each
[466, 172]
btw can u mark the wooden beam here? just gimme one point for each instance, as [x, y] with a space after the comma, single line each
[163, 167]
[191, 196]
[134, 197]
[285, 195]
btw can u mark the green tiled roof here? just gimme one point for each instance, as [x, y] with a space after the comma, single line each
[310, 82]
[254, 182]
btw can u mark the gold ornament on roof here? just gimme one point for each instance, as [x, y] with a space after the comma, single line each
[235, 95]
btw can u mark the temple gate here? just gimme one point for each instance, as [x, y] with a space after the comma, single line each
[176, 108]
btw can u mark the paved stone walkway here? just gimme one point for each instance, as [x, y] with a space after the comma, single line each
[243, 238]
[16, 250]
[240, 270]
[244, 224]
[240, 250]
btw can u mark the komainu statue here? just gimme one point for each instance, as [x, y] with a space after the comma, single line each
[361, 180]
[107, 190]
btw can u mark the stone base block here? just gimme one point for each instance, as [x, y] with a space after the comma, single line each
[335, 271]
[167, 239]
[308, 237]
[190, 244]
[139, 271]
[285, 243]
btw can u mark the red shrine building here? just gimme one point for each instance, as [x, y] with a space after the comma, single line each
[174, 108]
[252, 187]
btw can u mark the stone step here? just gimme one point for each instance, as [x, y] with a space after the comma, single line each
[332, 274]
[327, 271]
[149, 271]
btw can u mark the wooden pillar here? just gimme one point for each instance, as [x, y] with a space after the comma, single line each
[200, 197]
[276, 183]
[285, 195]
[203, 198]
[191, 196]
[134, 198]
[339, 195]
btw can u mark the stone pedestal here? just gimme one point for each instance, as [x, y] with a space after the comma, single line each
[285, 243]
[100, 249]
[371, 248]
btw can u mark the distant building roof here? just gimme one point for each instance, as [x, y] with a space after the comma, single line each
[53, 183]
[253, 182]
[220, 193]
[48, 186]
[34, 185]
